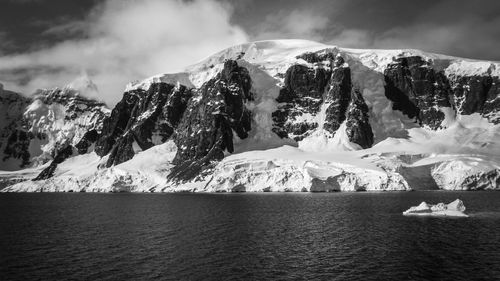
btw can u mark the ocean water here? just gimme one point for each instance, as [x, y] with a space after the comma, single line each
[289, 236]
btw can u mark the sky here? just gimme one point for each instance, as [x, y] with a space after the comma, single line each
[48, 43]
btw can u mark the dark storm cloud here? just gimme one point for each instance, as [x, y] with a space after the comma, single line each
[462, 28]
[455, 27]
[23, 76]
[26, 21]
[118, 41]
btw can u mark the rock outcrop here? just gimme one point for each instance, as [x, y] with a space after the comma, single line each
[477, 94]
[206, 130]
[358, 127]
[491, 106]
[59, 157]
[417, 90]
[88, 139]
[14, 138]
[142, 119]
[321, 97]
[338, 95]
[302, 95]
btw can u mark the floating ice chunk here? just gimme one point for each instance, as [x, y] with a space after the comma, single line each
[455, 209]
[456, 205]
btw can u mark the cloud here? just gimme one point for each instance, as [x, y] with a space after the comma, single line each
[304, 24]
[125, 41]
[472, 38]
[352, 38]
[65, 28]
[462, 29]
[453, 27]
[6, 43]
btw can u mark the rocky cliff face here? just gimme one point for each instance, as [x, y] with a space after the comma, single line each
[302, 95]
[358, 128]
[419, 91]
[476, 94]
[215, 116]
[491, 106]
[14, 140]
[338, 96]
[321, 97]
[142, 119]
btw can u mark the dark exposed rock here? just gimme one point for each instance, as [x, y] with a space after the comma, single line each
[358, 127]
[144, 117]
[338, 96]
[309, 57]
[302, 81]
[14, 136]
[307, 89]
[417, 90]
[316, 57]
[115, 125]
[206, 129]
[399, 88]
[86, 141]
[122, 150]
[330, 88]
[60, 156]
[491, 107]
[470, 93]
[17, 146]
[482, 181]
[302, 94]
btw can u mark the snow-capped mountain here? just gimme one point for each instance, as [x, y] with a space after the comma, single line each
[47, 125]
[283, 115]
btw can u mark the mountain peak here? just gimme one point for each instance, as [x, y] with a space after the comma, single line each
[275, 56]
[84, 86]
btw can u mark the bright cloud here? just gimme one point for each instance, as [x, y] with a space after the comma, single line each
[126, 40]
[304, 24]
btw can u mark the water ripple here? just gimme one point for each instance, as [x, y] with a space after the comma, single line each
[340, 236]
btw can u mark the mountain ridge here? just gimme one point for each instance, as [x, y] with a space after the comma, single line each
[293, 115]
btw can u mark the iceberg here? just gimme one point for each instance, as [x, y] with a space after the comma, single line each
[453, 209]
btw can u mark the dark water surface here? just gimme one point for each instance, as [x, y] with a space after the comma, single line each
[335, 236]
